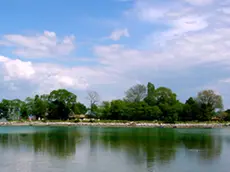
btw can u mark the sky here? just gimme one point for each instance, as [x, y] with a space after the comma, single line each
[109, 46]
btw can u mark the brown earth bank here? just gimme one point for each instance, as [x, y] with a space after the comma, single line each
[120, 124]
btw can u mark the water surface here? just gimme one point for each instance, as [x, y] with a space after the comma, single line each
[87, 149]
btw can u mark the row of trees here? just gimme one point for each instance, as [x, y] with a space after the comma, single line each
[59, 104]
[150, 103]
[140, 103]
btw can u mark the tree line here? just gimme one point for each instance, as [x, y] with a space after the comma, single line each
[139, 103]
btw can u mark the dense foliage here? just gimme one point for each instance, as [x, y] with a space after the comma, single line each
[140, 103]
[58, 105]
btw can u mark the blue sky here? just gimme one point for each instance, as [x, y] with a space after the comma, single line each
[108, 46]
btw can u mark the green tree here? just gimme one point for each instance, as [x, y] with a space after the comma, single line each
[150, 98]
[5, 106]
[211, 99]
[173, 112]
[208, 101]
[29, 105]
[40, 106]
[153, 113]
[165, 95]
[58, 110]
[167, 102]
[227, 116]
[61, 103]
[228, 111]
[117, 110]
[14, 109]
[105, 110]
[190, 110]
[24, 111]
[64, 96]
[136, 93]
[134, 111]
[79, 108]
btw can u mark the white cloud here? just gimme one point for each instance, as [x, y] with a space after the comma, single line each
[46, 77]
[16, 69]
[226, 80]
[178, 19]
[179, 53]
[182, 26]
[190, 23]
[40, 45]
[117, 34]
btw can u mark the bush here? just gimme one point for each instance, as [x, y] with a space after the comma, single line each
[76, 120]
[91, 120]
[44, 120]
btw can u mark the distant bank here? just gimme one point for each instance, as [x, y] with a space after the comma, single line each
[119, 124]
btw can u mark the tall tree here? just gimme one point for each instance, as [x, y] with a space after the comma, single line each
[105, 110]
[150, 98]
[227, 116]
[93, 98]
[210, 98]
[208, 101]
[64, 96]
[136, 93]
[4, 106]
[40, 106]
[165, 95]
[79, 108]
[61, 103]
[190, 110]
[117, 110]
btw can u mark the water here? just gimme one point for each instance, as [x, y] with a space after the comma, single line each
[94, 149]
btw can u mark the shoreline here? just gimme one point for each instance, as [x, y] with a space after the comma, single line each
[120, 124]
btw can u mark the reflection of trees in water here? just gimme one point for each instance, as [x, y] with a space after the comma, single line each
[138, 144]
[206, 146]
[156, 145]
[58, 142]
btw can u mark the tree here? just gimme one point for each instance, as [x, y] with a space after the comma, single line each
[105, 110]
[136, 93]
[210, 99]
[150, 98]
[61, 103]
[4, 106]
[190, 110]
[165, 95]
[173, 112]
[93, 98]
[153, 113]
[227, 117]
[58, 110]
[117, 110]
[40, 106]
[208, 102]
[29, 105]
[64, 96]
[79, 108]
[228, 111]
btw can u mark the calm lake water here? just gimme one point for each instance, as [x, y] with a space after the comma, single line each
[95, 149]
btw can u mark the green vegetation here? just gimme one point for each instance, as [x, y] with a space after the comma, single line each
[141, 103]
